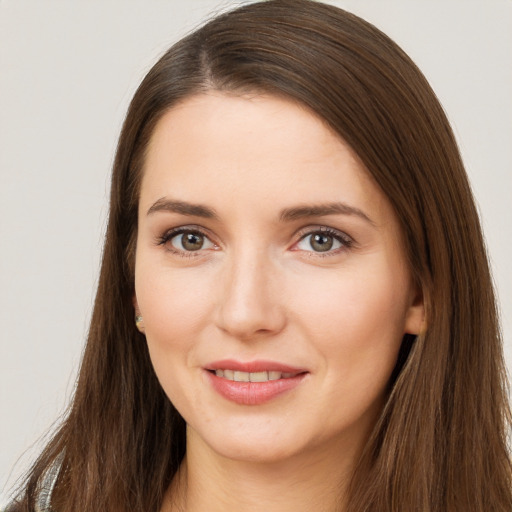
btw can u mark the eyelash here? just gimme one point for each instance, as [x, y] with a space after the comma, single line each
[169, 235]
[346, 241]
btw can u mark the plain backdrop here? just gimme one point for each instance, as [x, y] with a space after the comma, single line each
[67, 72]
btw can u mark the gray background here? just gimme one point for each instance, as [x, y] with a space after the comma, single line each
[67, 72]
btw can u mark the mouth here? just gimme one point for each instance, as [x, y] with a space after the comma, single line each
[263, 376]
[253, 383]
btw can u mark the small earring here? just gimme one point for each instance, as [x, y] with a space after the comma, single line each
[138, 322]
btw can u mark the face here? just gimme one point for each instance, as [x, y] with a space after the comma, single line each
[270, 276]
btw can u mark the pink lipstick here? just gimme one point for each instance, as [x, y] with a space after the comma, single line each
[253, 383]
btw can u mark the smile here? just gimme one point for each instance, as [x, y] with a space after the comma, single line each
[253, 383]
[264, 376]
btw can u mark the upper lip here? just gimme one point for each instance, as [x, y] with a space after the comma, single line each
[253, 366]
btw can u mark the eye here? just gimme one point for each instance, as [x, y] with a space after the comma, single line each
[323, 241]
[186, 240]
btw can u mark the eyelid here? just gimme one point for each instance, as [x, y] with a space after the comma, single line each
[346, 240]
[169, 234]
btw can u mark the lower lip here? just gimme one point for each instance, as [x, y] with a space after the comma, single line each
[253, 393]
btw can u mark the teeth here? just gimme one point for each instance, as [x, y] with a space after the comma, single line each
[258, 376]
[242, 377]
[252, 376]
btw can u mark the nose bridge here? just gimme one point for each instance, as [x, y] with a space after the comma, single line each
[250, 304]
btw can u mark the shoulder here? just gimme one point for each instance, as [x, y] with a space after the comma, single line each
[43, 501]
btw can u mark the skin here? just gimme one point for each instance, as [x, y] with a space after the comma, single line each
[258, 289]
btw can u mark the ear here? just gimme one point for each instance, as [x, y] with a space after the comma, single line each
[139, 321]
[415, 318]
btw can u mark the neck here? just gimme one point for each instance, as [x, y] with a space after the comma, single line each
[314, 480]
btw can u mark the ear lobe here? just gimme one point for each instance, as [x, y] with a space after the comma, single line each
[139, 321]
[415, 318]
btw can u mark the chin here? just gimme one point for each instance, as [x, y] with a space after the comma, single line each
[261, 446]
[256, 452]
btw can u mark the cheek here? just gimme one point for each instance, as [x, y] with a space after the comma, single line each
[357, 321]
[173, 305]
[348, 303]
[357, 325]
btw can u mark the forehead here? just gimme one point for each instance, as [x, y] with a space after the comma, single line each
[260, 148]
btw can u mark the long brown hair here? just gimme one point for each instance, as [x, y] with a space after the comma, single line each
[441, 441]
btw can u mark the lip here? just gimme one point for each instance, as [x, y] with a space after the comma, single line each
[253, 366]
[253, 393]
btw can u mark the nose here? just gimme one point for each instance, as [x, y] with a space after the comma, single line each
[251, 299]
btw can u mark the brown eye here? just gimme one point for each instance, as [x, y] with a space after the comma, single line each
[190, 241]
[321, 242]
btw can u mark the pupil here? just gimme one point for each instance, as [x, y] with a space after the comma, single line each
[192, 241]
[321, 243]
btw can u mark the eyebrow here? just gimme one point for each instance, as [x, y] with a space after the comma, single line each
[182, 207]
[320, 210]
[286, 215]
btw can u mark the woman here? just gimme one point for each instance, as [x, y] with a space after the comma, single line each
[292, 230]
